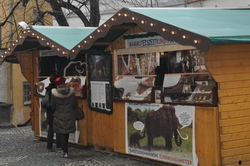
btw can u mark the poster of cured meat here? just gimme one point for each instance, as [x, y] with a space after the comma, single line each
[195, 89]
[78, 83]
[134, 88]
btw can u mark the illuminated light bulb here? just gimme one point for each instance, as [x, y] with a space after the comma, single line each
[196, 41]
[53, 46]
[133, 18]
[164, 29]
[119, 14]
[17, 41]
[9, 48]
[105, 25]
[112, 19]
[29, 31]
[73, 51]
[64, 52]
[33, 34]
[85, 41]
[91, 37]
[38, 37]
[143, 22]
[184, 36]
[98, 30]
[43, 39]
[48, 43]
[5, 52]
[58, 49]
[152, 24]
[173, 32]
[79, 46]
[125, 14]
[25, 32]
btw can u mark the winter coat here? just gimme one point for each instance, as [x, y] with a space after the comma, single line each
[64, 102]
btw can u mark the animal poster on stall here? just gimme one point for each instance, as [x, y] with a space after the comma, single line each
[161, 132]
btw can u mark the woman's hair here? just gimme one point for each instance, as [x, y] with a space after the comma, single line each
[60, 81]
[52, 78]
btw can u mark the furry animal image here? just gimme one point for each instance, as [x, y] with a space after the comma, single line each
[163, 122]
[134, 139]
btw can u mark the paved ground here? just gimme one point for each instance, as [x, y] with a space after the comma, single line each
[18, 147]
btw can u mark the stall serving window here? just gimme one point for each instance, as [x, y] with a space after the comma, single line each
[174, 77]
[73, 70]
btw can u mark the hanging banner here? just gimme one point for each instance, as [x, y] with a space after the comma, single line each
[161, 132]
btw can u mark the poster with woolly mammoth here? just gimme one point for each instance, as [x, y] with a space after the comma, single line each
[161, 132]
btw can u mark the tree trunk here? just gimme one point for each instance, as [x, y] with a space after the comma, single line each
[58, 13]
[94, 13]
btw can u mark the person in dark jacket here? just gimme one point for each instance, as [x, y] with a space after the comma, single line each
[64, 103]
[49, 116]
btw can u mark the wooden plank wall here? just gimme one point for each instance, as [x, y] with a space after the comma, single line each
[30, 72]
[230, 67]
[207, 136]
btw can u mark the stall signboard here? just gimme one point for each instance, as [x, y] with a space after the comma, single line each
[100, 77]
[194, 89]
[73, 137]
[145, 39]
[161, 132]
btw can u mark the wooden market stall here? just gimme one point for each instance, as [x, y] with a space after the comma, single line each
[219, 41]
[193, 61]
[42, 51]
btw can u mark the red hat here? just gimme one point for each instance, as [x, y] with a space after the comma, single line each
[60, 81]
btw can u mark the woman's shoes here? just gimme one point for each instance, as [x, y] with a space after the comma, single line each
[65, 155]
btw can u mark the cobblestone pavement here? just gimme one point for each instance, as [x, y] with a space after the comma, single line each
[18, 147]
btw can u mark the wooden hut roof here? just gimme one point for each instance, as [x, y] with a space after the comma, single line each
[198, 27]
[60, 39]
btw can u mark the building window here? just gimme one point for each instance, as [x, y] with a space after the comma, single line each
[26, 93]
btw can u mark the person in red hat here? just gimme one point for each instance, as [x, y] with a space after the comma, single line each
[64, 103]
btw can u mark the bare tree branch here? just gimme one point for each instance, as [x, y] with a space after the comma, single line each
[11, 13]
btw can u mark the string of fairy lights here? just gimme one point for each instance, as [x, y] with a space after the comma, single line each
[124, 16]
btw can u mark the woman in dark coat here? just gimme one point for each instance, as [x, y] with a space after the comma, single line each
[64, 102]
